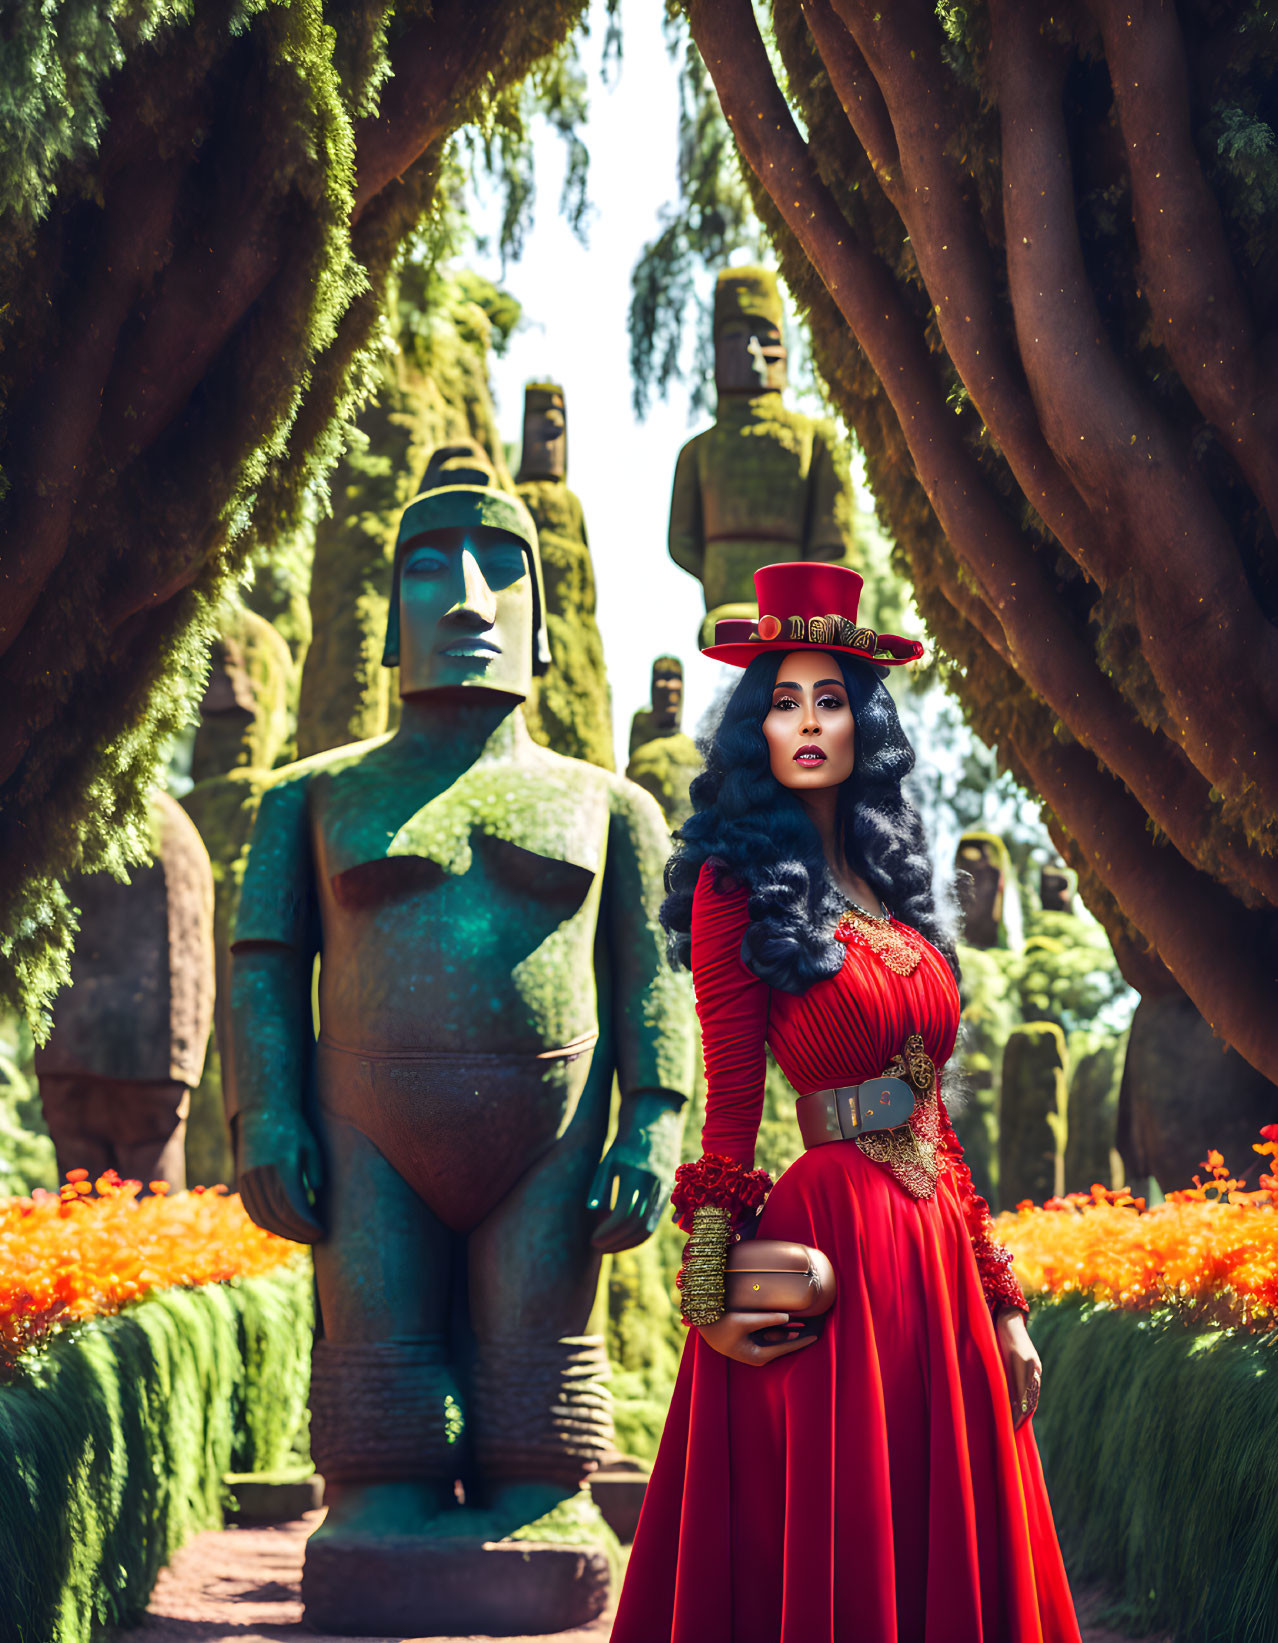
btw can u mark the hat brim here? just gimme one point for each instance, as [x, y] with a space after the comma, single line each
[893, 651]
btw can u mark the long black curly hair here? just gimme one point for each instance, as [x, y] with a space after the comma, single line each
[761, 833]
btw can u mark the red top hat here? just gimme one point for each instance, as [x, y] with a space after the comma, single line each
[808, 605]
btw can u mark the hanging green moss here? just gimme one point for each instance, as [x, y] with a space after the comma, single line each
[193, 172]
[113, 1444]
[26, 1153]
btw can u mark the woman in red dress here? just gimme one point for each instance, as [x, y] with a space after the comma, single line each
[879, 1483]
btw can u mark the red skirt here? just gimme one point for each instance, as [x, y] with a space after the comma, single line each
[868, 1488]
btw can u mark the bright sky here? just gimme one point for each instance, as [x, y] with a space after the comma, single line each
[576, 301]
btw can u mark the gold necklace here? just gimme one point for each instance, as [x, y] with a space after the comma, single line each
[881, 936]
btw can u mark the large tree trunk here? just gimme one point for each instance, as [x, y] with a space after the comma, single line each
[1047, 305]
[189, 286]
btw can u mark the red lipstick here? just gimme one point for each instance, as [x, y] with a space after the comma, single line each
[809, 754]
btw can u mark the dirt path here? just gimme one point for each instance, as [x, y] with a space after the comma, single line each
[244, 1586]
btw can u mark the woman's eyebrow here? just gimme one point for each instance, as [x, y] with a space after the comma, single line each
[820, 682]
[786, 684]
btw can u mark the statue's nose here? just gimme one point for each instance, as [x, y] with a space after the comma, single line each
[478, 600]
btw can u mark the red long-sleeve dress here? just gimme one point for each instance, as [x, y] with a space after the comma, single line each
[868, 1488]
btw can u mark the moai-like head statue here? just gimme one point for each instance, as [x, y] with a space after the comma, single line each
[244, 710]
[667, 694]
[749, 351]
[466, 587]
[1056, 890]
[545, 449]
[981, 861]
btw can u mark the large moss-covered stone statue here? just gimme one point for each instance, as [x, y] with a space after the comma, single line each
[570, 709]
[663, 760]
[764, 483]
[130, 1031]
[485, 914]
[1032, 1115]
[244, 722]
[1183, 1091]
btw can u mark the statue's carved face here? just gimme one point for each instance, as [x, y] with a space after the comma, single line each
[809, 728]
[749, 357]
[667, 698]
[545, 452]
[466, 613]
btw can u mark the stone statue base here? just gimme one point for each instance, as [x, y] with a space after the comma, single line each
[420, 1586]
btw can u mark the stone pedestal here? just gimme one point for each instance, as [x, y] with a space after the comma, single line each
[417, 1586]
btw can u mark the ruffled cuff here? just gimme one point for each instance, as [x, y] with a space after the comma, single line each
[715, 1179]
[1000, 1283]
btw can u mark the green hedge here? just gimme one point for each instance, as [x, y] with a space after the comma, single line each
[113, 1445]
[1158, 1443]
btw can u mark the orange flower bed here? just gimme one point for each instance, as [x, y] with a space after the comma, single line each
[1210, 1251]
[95, 1246]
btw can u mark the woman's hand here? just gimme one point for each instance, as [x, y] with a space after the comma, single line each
[1021, 1364]
[731, 1336]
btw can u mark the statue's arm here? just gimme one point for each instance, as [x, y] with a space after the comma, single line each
[687, 539]
[652, 1028]
[272, 956]
[830, 500]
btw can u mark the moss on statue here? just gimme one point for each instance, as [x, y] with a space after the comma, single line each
[764, 482]
[1032, 1114]
[988, 1016]
[432, 391]
[570, 709]
[1095, 1073]
[665, 768]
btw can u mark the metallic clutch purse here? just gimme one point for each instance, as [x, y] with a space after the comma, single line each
[770, 1275]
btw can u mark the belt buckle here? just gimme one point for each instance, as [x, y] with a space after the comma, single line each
[883, 1104]
[847, 1105]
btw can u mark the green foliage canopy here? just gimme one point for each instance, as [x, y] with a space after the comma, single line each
[202, 210]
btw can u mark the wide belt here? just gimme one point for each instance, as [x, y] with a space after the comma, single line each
[883, 1103]
[854, 1109]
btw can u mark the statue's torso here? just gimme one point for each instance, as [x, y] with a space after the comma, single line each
[566, 566]
[460, 921]
[754, 466]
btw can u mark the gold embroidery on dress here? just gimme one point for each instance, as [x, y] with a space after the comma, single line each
[881, 936]
[910, 1152]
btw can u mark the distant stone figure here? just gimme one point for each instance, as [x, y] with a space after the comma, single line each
[570, 709]
[982, 864]
[663, 761]
[1056, 890]
[244, 710]
[130, 1032]
[765, 483]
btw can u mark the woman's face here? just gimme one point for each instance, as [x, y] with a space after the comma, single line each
[810, 731]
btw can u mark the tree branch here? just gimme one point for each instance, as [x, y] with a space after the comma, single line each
[439, 62]
[1203, 317]
[1044, 648]
[1197, 617]
[900, 47]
